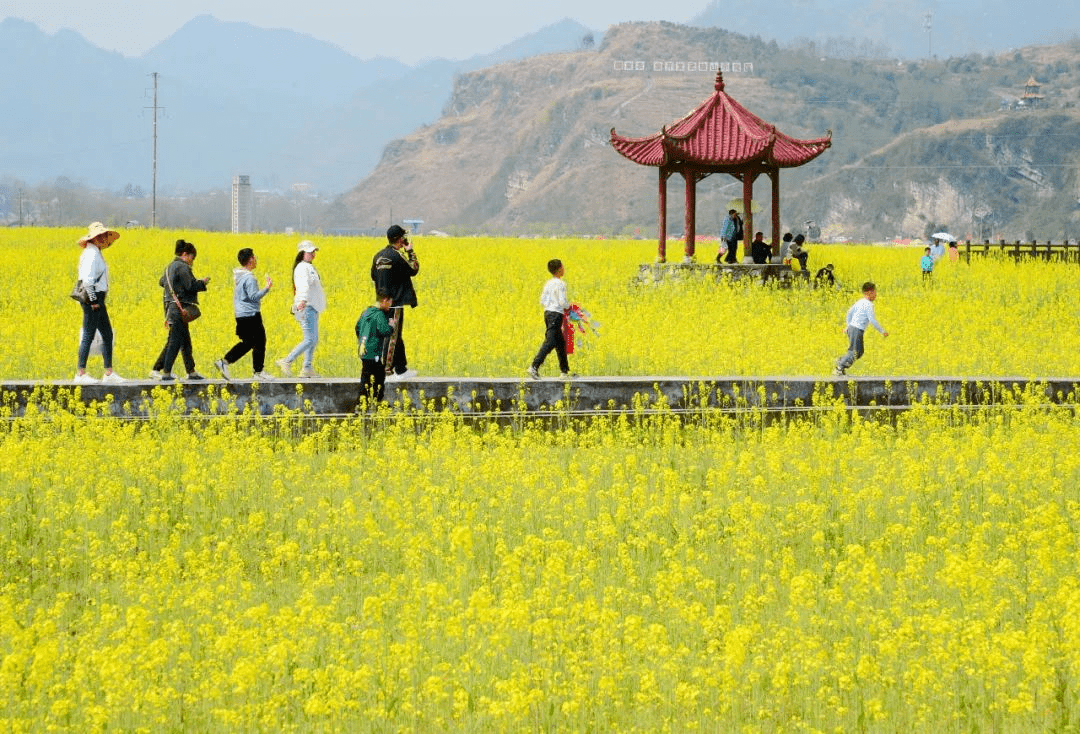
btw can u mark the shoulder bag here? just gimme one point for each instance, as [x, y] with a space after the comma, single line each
[188, 312]
[79, 293]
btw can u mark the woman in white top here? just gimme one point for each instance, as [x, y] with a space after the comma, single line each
[94, 274]
[308, 303]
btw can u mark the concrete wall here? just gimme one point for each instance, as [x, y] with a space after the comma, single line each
[507, 395]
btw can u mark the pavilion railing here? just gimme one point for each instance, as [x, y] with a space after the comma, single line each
[1064, 251]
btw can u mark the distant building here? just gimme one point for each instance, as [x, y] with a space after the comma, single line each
[1031, 96]
[241, 204]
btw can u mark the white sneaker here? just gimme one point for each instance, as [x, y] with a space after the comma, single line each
[263, 376]
[113, 378]
[285, 366]
[85, 379]
[394, 376]
[156, 374]
[223, 368]
[533, 373]
[309, 373]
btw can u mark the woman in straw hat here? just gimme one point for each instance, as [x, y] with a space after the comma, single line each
[94, 274]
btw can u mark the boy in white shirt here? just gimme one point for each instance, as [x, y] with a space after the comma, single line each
[553, 299]
[858, 317]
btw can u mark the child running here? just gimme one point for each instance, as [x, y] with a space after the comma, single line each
[553, 299]
[247, 302]
[858, 317]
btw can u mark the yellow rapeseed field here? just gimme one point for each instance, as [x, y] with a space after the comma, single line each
[647, 572]
[479, 312]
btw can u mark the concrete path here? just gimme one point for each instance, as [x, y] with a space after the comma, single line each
[477, 396]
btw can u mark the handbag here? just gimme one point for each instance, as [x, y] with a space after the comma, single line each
[79, 293]
[188, 314]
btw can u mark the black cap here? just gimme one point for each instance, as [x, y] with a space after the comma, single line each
[395, 232]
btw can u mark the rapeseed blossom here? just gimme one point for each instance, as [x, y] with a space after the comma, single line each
[990, 317]
[410, 571]
[626, 573]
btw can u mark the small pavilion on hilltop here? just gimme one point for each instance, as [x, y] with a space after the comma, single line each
[720, 136]
[1031, 96]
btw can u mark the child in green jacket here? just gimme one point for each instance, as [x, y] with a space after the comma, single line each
[372, 329]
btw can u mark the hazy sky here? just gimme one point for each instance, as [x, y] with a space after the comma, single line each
[408, 30]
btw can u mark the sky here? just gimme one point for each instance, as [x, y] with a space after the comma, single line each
[407, 30]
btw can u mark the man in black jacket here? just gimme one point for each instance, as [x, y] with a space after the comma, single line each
[392, 270]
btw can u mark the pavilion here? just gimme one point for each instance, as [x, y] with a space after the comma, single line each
[720, 136]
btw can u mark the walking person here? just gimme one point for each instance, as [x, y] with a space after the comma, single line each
[858, 317]
[392, 270]
[555, 302]
[185, 349]
[94, 276]
[247, 303]
[181, 294]
[927, 264]
[730, 234]
[309, 300]
[373, 329]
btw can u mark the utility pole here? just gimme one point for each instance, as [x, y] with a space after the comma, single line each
[928, 22]
[153, 194]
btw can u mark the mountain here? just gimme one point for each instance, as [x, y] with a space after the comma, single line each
[279, 106]
[898, 28]
[523, 148]
[64, 105]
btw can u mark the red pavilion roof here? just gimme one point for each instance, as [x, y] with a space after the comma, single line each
[721, 133]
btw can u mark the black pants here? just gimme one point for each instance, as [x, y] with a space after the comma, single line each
[185, 351]
[179, 340]
[553, 339]
[732, 251]
[400, 362]
[373, 379]
[252, 335]
[95, 320]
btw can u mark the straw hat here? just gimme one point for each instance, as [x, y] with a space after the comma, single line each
[95, 229]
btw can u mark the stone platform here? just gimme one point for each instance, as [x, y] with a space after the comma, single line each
[783, 275]
[507, 396]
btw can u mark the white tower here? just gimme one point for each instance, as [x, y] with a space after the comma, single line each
[241, 204]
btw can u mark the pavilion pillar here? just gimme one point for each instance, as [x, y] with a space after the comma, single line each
[691, 199]
[775, 175]
[661, 253]
[748, 213]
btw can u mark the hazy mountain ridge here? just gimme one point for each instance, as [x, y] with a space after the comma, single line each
[907, 29]
[279, 106]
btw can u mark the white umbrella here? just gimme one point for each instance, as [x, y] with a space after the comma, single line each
[942, 236]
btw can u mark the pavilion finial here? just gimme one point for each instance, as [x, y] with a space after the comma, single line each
[719, 86]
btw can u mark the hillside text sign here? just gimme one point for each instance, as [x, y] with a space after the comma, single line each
[686, 67]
